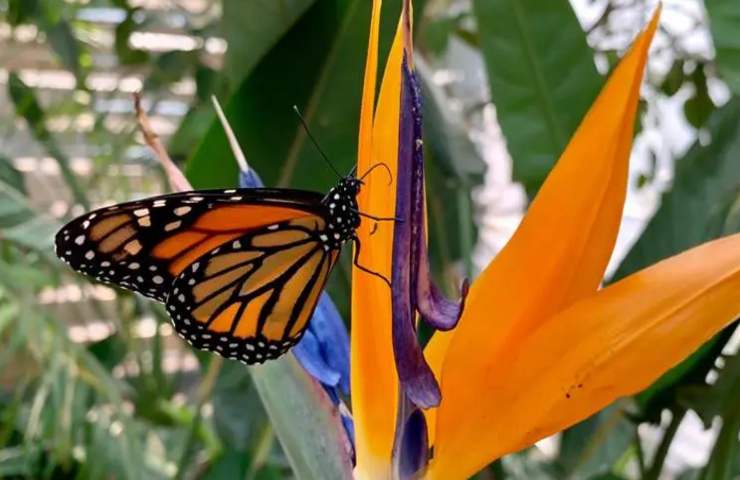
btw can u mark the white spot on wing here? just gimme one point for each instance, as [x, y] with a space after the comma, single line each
[180, 211]
[172, 225]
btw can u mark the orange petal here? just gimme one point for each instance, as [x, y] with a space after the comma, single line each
[557, 256]
[611, 344]
[374, 377]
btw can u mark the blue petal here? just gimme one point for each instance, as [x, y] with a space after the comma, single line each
[250, 179]
[308, 352]
[329, 329]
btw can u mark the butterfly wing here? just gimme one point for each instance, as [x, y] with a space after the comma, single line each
[144, 245]
[251, 298]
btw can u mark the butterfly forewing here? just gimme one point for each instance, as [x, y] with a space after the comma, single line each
[251, 298]
[143, 245]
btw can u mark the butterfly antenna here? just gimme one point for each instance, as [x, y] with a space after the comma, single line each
[313, 140]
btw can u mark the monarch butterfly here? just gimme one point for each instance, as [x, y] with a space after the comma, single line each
[240, 270]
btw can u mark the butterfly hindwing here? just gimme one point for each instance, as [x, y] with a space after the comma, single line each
[251, 298]
[143, 245]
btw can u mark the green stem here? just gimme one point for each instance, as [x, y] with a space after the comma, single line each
[656, 467]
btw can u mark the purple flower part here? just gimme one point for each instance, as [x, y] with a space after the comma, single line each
[437, 311]
[414, 445]
[414, 374]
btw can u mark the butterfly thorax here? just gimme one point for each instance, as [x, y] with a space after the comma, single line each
[343, 214]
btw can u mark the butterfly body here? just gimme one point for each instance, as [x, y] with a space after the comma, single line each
[240, 271]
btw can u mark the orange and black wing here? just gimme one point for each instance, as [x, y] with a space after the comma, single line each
[144, 245]
[251, 298]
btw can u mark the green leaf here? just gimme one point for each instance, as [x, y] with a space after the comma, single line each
[10, 176]
[593, 446]
[716, 400]
[28, 107]
[234, 396]
[325, 85]
[126, 54]
[542, 78]
[674, 79]
[305, 421]
[253, 28]
[724, 22]
[61, 38]
[699, 106]
[21, 224]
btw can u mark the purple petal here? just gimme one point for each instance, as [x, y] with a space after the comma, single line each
[415, 376]
[436, 310]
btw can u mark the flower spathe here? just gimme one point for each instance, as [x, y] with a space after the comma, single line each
[539, 347]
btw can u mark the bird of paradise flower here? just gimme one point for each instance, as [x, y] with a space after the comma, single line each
[539, 346]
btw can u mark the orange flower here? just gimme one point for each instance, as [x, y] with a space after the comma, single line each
[539, 347]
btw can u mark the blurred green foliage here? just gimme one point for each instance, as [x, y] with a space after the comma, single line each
[109, 407]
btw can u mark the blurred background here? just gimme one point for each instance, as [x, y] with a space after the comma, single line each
[95, 385]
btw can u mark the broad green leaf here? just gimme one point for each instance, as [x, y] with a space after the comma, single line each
[253, 28]
[307, 424]
[542, 78]
[326, 86]
[594, 445]
[724, 22]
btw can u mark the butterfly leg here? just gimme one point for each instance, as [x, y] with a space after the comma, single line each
[378, 219]
[365, 269]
